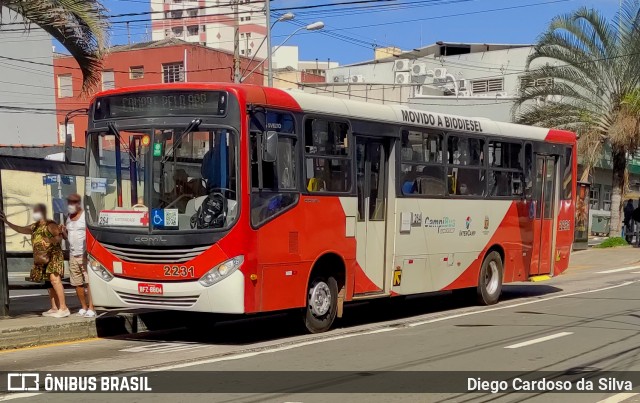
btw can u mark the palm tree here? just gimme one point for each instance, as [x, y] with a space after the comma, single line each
[591, 66]
[79, 25]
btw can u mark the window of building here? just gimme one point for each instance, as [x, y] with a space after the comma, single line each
[606, 198]
[526, 82]
[192, 12]
[421, 169]
[65, 86]
[328, 161]
[108, 80]
[173, 72]
[177, 31]
[136, 72]
[62, 134]
[248, 52]
[176, 13]
[466, 175]
[193, 30]
[489, 85]
[274, 184]
[594, 197]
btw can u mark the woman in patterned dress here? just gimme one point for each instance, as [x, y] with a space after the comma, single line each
[46, 238]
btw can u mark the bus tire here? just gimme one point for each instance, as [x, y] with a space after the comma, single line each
[490, 279]
[322, 304]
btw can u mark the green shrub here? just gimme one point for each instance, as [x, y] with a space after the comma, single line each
[613, 243]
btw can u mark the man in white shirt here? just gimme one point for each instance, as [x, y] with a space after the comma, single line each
[75, 233]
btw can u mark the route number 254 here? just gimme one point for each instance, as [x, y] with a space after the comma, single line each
[179, 271]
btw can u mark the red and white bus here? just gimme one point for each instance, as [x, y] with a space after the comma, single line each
[242, 199]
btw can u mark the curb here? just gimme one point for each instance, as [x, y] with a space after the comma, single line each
[20, 333]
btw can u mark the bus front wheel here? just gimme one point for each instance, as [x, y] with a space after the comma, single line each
[322, 304]
[490, 281]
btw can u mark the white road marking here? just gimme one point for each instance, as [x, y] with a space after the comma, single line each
[18, 396]
[343, 336]
[620, 397]
[535, 301]
[37, 295]
[163, 348]
[273, 350]
[618, 270]
[539, 340]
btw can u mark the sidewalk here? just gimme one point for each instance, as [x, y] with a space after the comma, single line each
[606, 258]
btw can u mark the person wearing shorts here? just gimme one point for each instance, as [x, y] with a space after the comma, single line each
[75, 233]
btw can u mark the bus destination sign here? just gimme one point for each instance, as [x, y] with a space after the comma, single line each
[161, 103]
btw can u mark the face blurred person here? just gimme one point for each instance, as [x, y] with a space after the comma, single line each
[75, 233]
[46, 238]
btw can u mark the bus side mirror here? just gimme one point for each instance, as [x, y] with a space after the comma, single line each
[269, 146]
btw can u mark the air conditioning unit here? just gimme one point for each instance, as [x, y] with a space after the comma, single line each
[403, 78]
[357, 79]
[338, 79]
[419, 69]
[440, 73]
[402, 65]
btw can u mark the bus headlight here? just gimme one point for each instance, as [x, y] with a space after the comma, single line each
[99, 269]
[221, 271]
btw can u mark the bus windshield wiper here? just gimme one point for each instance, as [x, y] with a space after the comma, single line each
[113, 129]
[195, 123]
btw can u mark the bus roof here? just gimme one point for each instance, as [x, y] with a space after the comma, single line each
[396, 114]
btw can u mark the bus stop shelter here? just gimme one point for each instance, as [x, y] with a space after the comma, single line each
[46, 167]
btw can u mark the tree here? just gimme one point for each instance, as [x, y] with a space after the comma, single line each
[79, 25]
[588, 68]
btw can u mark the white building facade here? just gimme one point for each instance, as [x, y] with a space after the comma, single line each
[212, 23]
[27, 95]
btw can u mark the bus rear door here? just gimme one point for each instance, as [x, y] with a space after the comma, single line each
[546, 200]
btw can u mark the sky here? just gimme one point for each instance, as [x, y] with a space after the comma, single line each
[401, 24]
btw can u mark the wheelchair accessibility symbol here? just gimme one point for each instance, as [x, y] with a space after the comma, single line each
[158, 218]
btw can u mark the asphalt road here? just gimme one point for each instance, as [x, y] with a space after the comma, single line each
[586, 319]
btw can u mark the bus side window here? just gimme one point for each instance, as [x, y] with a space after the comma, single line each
[567, 178]
[327, 156]
[528, 168]
[279, 178]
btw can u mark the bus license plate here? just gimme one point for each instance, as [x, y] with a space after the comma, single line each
[147, 288]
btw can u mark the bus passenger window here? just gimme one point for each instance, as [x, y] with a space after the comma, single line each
[328, 160]
[567, 177]
[279, 178]
[422, 172]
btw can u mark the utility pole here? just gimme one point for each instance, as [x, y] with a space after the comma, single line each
[237, 76]
[4, 274]
[128, 34]
[269, 53]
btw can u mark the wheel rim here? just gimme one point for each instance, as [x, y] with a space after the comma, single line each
[320, 299]
[492, 278]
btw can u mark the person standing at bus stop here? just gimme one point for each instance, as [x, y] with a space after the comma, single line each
[75, 233]
[48, 260]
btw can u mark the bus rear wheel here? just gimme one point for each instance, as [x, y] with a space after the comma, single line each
[322, 304]
[490, 281]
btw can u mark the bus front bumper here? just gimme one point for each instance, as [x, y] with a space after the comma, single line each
[226, 296]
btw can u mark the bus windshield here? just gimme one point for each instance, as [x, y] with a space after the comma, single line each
[192, 184]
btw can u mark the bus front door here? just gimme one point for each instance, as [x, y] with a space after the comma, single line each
[371, 169]
[546, 199]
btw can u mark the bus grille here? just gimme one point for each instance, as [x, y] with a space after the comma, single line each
[156, 255]
[149, 300]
